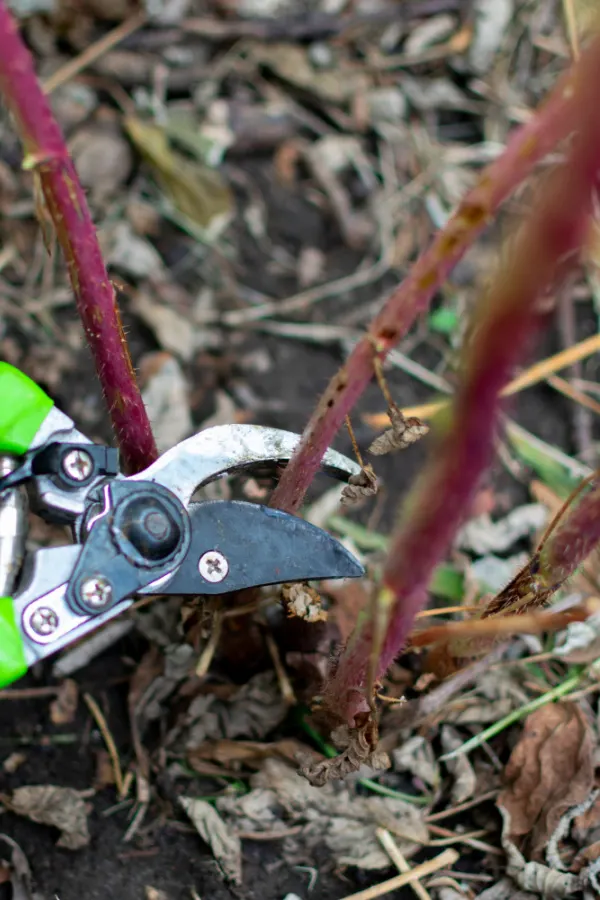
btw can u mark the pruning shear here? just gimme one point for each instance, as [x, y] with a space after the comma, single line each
[137, 535]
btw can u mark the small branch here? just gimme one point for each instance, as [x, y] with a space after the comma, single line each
[529, 144]
[47, 156]
[444, 860]
[504, 325]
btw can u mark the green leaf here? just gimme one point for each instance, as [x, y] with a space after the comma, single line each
[444, 320]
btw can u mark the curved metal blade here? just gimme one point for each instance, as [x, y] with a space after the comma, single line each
[225, 449]
[237, 545]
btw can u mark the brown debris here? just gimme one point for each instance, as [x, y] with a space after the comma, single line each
[401, 435]
[64, 708]
[358, 746]
[304, 602]
[234, 755]
[61, 807]
[550, 770]
[360, 486]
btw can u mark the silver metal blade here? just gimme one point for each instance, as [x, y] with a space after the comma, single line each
[225, 449]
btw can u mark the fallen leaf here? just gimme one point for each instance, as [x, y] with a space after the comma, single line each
[103, 159]
[233, 755]
[536, 877]
[505, 890]
[165, 397]
[173, 330]
[64, 808]
[465, 779]
[226, 846]
[580, 641]
[252, 712]
[64, 708]
[291, 62]
[331, 816]
[549, 771]
[492, 20]
[196, 191]
[416, 756]
[482, 535]
[131, 254]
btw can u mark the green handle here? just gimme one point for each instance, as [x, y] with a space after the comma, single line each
[12, 654]
[23, 408]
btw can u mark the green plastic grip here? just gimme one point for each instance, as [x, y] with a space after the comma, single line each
[12, 655]
[23, 408]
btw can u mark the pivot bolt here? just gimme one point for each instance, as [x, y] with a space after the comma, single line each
[96, 592]
[43, 621]
[213, 566]
[77, 465]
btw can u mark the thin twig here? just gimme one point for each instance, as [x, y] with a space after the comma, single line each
[391, 848]
[565, 387]
[540, 371]
[109, 741]
[355, 447]
[285, 685]
[206, 657]
[94, 52]
[38, 693]
[447, 858]
[461, 807]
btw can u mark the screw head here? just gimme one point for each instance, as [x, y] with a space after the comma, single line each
[96, 592]
[78, 465]
[213, 566]
[43, 621]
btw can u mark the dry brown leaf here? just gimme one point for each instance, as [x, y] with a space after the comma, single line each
[549, 771]
[358, 746]
[252, 711]
[64, 708]
[401, 435]
[304, 602]
[332, 818]
[226, 846]
[197, 191]
[62, 807]
[235, 754]
[360, 486]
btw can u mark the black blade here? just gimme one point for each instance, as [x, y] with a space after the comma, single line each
[259, 546]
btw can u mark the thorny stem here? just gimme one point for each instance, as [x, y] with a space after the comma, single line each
[47, 156]
[529, 144]
[567, 542]
[571, 541]
[505, 323]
